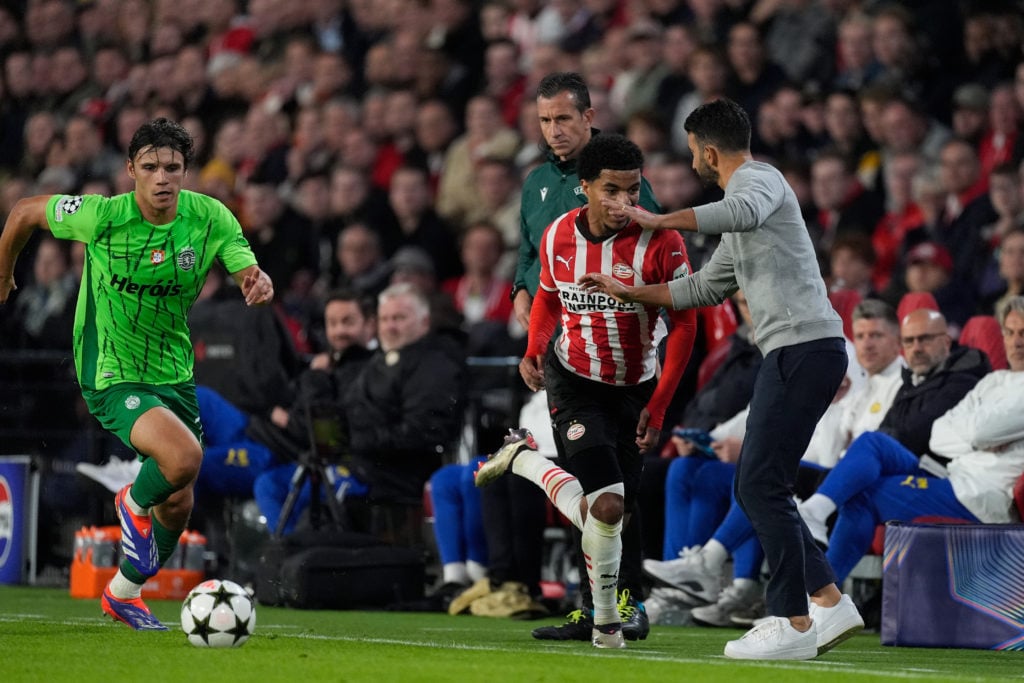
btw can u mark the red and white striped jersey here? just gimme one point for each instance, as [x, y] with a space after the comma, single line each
[602, 339]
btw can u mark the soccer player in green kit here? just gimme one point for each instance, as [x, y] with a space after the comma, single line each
[147, 256]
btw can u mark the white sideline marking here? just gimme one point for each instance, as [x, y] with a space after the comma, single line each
[646, 655]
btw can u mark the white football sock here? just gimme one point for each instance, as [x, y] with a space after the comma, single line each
[455, 572]
[563, 489]
[602, 548]
[815, 511]
[714, 555]
[123, 589]
[133, 506]
[475, 570]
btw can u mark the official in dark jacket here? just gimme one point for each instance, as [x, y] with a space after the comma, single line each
[405, 409]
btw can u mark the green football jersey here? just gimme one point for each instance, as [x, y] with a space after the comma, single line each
[140, 280]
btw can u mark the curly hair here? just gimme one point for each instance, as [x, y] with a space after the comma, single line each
[163, 133]
[608, 152]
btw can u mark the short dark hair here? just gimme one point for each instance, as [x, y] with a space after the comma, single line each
[367, 305]
[721, 123]
[608, 152]
[162, 133]
[566, 81]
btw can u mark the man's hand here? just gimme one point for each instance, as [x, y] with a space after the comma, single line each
[6, 287]
[257, 288]
[599, 282]
[522, 303]
[279, 416]
[532, 370]
[728, 449]
[646, 437]
[639, 215]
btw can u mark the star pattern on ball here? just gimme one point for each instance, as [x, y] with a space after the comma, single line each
[222, 596]
[240, 631]
[202, 629]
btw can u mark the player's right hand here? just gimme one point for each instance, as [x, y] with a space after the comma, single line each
[6, 287]
[531, 368]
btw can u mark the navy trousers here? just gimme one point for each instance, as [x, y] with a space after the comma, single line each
[793, 388]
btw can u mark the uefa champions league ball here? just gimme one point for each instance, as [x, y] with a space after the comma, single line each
[218, 613]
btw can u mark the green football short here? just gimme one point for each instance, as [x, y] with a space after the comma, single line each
[118, 407]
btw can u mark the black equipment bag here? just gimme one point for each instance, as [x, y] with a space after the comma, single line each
[338, 570]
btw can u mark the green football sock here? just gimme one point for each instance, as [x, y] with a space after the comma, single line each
[150, 487]
[166, 540]
[131, 573]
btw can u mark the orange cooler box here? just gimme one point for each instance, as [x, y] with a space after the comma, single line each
[97, 555]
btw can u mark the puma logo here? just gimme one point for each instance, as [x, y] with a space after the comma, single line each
[677, 253]
[566, 261]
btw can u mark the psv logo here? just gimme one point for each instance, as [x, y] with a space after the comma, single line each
[622, 271]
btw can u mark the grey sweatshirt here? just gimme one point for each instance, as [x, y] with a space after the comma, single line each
[765, 251]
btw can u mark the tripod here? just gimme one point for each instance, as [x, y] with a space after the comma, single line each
[325, 436]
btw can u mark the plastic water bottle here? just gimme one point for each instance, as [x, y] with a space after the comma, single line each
[104, 547]
[195, 551]
[83, 545]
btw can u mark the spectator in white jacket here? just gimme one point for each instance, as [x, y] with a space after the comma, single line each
[879, 480]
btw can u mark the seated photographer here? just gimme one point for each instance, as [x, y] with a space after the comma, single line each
[349, 327]
[401, 413]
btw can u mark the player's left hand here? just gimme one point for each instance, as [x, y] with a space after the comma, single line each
[599, 282]
[647, 437]
[531, 368]
[257, 288]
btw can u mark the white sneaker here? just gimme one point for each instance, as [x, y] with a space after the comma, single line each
[835, 624]
[689, 574]
[775, 638]
[608, 641]
[668, 606]
[732, 600]
[817, 527]
[114, 474]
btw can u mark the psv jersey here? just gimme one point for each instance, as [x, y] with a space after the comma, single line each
[602, 339]
[140, 280]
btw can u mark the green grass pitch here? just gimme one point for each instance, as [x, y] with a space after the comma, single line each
[46, 636]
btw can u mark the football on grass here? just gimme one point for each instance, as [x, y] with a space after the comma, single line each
[218, 613]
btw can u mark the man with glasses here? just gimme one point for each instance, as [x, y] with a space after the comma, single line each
[981, 438]
[936, 377]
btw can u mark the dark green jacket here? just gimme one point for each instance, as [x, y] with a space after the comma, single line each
[550, 190]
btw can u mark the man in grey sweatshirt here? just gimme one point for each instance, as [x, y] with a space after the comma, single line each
[766, 251]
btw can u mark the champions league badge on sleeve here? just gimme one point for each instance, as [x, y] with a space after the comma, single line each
[66, 206]
[187, 258]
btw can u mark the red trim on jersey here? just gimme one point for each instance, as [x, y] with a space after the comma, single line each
[543, 320]
[678, 347]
